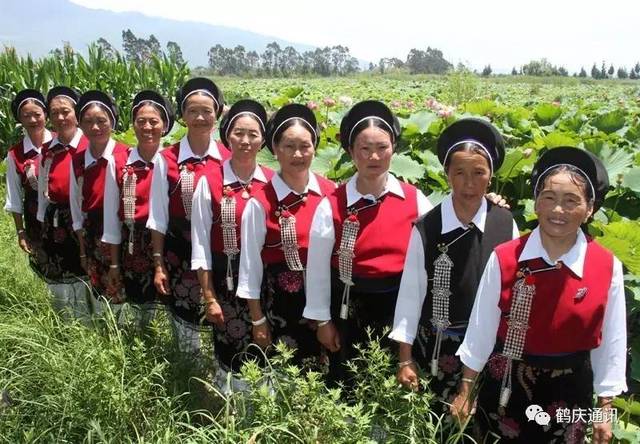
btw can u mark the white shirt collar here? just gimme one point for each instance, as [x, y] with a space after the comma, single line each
[134, 156]
[186, 151]
[28, 145]
[230, 177]
[392, 186]
[574, 258]
[450, 220]
[75, 141]
[283, 190]
[107, 154]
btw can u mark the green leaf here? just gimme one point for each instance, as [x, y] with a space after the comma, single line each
[616, 161]
[557, 138]
[623, 239]
[405, 167]
[436, 197]
[546, 113]
[514, 162]
[609, 122]
[293, 91]
[631, 179]
[266, 158]
[418, 123]
[481, 107]
[326, 159]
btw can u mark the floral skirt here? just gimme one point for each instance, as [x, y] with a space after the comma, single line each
[32, 228]
[137, 266]
[372, 304]
[231, 340]
[558, 385]
[284, 301]
[59, 258]
[98, 258]
[445, 384]
[185, 301]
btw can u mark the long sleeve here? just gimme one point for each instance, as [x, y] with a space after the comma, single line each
[480, 337]
[14, 188]
[253, 232]
[412, 292]
[609, 360]
[318, 275]
[43, 203]
[424, 204]
[74, 201]
[159, 199]
[112, 232]
[201, 221]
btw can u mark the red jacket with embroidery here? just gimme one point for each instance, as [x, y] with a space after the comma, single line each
[272, 252]
[144, 174]
[567, 312]
[59, 169]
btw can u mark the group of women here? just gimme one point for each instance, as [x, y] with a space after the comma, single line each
[257, 256]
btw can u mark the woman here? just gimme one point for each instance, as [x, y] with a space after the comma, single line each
[275, 236]
[175, 177]
[357, 252]
[60, 251]
[126, 205]
[215, 229]
[447, 252]
[549, 316]
[98, 118]
[29, 110]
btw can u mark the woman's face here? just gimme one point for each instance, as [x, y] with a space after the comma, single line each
[31, 116]
[245, 138]
[295, 150]
[371, 152]
[469, 175]
[96, 124]
[148, 126]
[199, 113]
[62, 116]
[562, 206]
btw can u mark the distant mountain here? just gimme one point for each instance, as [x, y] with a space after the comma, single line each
[38, 26]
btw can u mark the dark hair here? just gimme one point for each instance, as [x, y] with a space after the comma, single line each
[277, 136]
[217, 109]
[468, 147]
[368, 123]
[158, 108]
[99, 105]
[61, 97]
[32, 102]
[577, 177]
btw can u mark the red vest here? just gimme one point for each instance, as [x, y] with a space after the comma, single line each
[207, 165]
[144, 173]
[59, 170]
[21, 161]
[563, 318]
[216, 190]
[93, 178]
[385, 229]
[272, 252]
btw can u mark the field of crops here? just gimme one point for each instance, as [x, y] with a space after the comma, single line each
[63, 381]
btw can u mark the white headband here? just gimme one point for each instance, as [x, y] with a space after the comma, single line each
[241, 113]
[313, 131]
[370, 117]
[544, 173]
[164, 110]
[27, 99]
[65, 96]
[205, 91]
[104, 105]
[475, 142]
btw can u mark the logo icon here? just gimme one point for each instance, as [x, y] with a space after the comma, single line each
[535, 413]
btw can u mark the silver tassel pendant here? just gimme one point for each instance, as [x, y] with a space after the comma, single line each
[350, 229]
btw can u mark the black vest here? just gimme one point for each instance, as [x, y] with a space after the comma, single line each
[469, 255]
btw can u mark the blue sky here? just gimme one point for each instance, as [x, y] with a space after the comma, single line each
[501, 33]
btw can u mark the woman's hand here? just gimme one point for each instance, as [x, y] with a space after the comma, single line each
[408, 376]
[114, 281]
[262, 335]
[328, 336]
[214, 313]
[498, 200]
[161, 280]
[23, 242]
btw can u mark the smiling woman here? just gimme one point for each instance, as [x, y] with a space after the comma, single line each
[549, 317]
